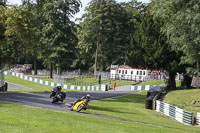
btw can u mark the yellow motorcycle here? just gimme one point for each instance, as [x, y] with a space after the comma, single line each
[79, 106]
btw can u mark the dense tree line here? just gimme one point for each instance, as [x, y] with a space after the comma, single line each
[161, 35]
[39, 30]
[103, 35]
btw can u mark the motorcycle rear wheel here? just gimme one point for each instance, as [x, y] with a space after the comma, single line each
[54, 100]
[71, 109]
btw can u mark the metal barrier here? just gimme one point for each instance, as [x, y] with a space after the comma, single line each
[71, 87]
[3, 84]
[135, 78]
[198, 119]
[145, 87]
[2, 78]
[175, 112]
[58, 79]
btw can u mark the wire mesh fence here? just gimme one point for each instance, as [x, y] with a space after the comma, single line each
[104, 75]
[71, 74]
[2, 78]
[43, 73]
[82, 78]
[58, 79]
[67, 77]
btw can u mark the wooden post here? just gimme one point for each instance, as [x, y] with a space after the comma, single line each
[198, 74]
[193, 119]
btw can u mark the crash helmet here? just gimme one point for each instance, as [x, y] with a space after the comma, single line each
[88, 96]
[59, 87]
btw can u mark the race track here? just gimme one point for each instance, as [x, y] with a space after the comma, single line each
[42, 99]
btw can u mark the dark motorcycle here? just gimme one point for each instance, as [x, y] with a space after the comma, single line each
[57, 94]
[59, 97]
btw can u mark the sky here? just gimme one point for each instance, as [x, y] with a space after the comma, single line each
[84, 4]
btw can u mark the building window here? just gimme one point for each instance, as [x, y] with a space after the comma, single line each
[122, 71]
[119, 71]
[137, 72]
[143, 72]
[131, 72]
[140, 72]
[126, 72]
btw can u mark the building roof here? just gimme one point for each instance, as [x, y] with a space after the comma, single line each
[124, 66]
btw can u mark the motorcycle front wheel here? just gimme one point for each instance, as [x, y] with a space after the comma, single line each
[80, 107]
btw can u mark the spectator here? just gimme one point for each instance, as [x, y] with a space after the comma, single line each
[115, 85]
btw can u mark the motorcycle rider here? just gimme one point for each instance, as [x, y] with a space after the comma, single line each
[87, 97]
[55, 90]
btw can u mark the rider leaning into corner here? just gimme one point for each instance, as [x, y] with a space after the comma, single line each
[55, 90]
[87, 98]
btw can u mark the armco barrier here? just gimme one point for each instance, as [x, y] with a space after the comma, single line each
[145, 87]
[175, 112]
[198, 119]
[71, 87]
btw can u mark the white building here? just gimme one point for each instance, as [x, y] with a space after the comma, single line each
[128, 73]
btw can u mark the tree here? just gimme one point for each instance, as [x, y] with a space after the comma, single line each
[15, 34]
[58, 33]
[2, 36]
[36, 8]
[102, 36]
[134, 11]
[3, 3]
[20, 31]
[182, 26]
[154, 49]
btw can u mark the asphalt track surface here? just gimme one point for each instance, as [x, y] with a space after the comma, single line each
[10, 85]
[42, 100]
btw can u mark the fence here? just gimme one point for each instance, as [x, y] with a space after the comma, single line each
[71, 74]
[21, 68]
[175, 112]
[145, 87]
[43, 73]
[93, 79]
[198, 119]
[195, 82]
[71, 87]
[128, 77]
[104, 75]
[2, 79]
[58, 79]
[80, 81]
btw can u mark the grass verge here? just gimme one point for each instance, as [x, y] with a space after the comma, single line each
[157, 82]
[183, 99]
[35, 87]
[128, 115]
[92, 82]
[132, 108]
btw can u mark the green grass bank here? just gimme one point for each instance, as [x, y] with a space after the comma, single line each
[127, 113]
[183, 99]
